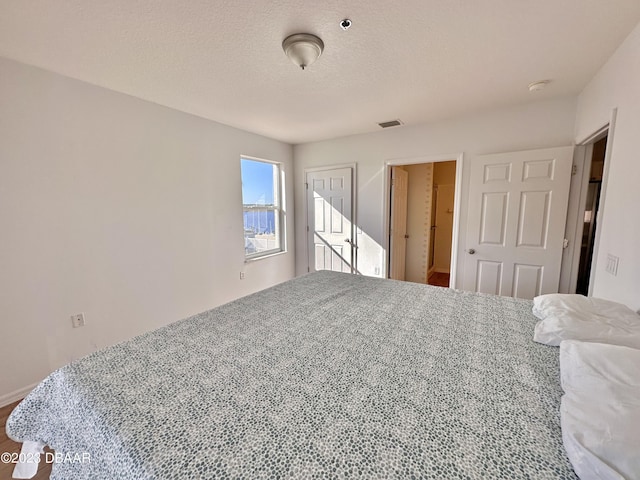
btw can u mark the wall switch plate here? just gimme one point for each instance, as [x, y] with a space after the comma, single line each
[612, 264]
[78, 320]
[241, 275]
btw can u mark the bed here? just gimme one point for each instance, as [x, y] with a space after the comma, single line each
[329, 375]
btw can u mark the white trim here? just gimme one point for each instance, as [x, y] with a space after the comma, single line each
[600, 133]
[284, 244]
[265, 256]
[423, 159]
[455, 234]
[258, 159]
[354, 211]
[354, 217]
[328, 167]
[456, 223]
[603, 194]
[9, 398]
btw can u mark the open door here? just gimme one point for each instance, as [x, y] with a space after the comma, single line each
[398, 232]
[443, 228]
[517, 214]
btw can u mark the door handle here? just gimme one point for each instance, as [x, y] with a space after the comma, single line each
[348, 240]
[471, 251]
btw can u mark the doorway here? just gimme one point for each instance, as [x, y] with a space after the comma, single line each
[441, 230]
[594, 190]
[584, 216]
[422, 214]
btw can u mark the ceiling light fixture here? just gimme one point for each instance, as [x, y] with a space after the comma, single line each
[303, 48]
[537, 86]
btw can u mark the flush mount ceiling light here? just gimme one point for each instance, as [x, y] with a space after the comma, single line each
[303, 48]
[537, 86]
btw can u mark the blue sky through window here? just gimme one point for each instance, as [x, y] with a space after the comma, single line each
[257, 182]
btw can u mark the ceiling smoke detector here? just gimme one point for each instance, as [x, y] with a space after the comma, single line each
[303, 48]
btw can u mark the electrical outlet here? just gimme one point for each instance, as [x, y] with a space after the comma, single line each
[377, 271]
[78, 320]
[241, 275]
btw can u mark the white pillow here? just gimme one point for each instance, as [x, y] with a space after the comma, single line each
[601, 440]
[545, 305]
[600, 411]
[577, 326]
[600, 372]
[567, 317]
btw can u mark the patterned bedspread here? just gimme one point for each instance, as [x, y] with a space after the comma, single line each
[326, 376]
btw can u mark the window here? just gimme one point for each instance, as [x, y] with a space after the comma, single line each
[261, 205]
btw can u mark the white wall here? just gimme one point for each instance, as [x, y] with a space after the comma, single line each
[617, 85]
[535, 125]
[119, 208]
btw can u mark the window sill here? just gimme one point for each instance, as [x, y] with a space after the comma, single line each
[262, 257]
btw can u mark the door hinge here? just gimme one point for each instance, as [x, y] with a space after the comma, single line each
[307, 228]
[393, 182]
[574, 169]
[565, 243]
[306, 185]
[308, 269]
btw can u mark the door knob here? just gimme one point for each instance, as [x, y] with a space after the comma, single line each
[471, 251]
[348, 240]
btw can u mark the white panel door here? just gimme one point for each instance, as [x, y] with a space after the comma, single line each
[330, 220]
[398, 233]
[517, 213]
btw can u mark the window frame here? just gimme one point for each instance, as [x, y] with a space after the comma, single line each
[277, 208]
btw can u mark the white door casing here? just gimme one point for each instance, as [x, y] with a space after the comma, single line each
[330, 236]
[517, 214]
[398, 233]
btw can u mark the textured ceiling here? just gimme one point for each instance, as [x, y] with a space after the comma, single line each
[417, 60]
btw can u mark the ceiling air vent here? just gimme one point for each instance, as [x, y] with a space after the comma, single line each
[392, 123]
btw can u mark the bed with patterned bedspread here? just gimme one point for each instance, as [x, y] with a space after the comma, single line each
[328, 375]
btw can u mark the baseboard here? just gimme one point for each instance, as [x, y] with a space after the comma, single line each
[441, 270]
[16, 395]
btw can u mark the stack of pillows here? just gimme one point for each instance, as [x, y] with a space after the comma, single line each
[600, 373]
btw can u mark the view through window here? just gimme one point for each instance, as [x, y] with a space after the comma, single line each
[261, 194]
